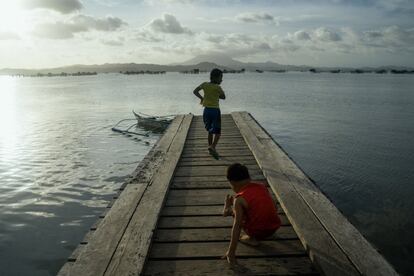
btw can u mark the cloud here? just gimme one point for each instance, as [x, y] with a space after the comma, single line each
[396, 6]
[9, 36]
[302, 35]
[108, 23]
[327, 35]
[169, 24]
[255, 18]
[392, 38]
[77, 24]
[147, 36]
[113, 42]
[62, 6]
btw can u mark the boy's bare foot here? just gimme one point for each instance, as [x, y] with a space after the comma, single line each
[246, 239]
[228, 204]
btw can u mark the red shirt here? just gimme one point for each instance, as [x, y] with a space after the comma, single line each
[261, 213]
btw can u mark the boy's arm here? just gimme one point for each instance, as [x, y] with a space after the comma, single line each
[235, 232]
[222, 95]
[197, 93]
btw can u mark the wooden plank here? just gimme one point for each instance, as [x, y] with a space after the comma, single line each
[202, 222]
[224, 141]
[214, 170]
[222, 154]
[220, 146]
[257, 266]
[203, 185]
[199, 118]
[217, 249]
[258, 177]
[200, 185]
[205, 195]
[220, 162]
[213, 234]
[132, 250]
[212, 210]
[322, 248]
[361, 253]
[215, 193]
[203, 136]
[222, 137]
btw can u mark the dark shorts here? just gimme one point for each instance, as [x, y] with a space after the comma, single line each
[212, 120]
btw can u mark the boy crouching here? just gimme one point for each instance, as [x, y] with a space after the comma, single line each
[252, 208]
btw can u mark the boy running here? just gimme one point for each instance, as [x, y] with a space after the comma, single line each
[210, 101]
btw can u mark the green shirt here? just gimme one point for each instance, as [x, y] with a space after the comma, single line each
[212, 92]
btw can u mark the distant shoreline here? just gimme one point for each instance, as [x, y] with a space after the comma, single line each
[196, 71]
[239, 67]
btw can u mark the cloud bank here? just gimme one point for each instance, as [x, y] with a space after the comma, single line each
[77, 24]
[169, 24]
[62, 6]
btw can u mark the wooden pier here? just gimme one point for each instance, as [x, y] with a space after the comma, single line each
[166, 220]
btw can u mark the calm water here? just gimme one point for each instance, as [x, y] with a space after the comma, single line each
[60, 163]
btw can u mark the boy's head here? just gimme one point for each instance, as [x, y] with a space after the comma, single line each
[237, 175]
[216, 76]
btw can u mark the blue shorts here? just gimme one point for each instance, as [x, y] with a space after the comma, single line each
[212, 120]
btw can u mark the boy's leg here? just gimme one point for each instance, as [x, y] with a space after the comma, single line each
[216, 128]
[215, 141]
[210, 139]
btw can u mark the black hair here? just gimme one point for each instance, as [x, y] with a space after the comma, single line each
[215, 74]
[237, 172]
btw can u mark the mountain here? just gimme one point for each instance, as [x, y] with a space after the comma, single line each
[226, 61]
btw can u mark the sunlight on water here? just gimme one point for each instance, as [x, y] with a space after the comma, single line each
[8, 113]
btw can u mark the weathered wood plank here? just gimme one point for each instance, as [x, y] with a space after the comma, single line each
[202, 221]
[322, 248]
[212, 210]
[222, 138]
[203, 185]
[132, 250]
[258, 177]
[220, 146]
[227, 142]
[213, 234]
[205, 195]
[203, 136]
[213, 162]
[214, 170]
[200, 185]
[202, 152]
[361, 253]
[217, 249]
[256, 266]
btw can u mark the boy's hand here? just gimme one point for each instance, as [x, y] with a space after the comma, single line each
[231, 258]
[201, 101]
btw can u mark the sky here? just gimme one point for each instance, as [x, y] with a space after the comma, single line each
[53, 33]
